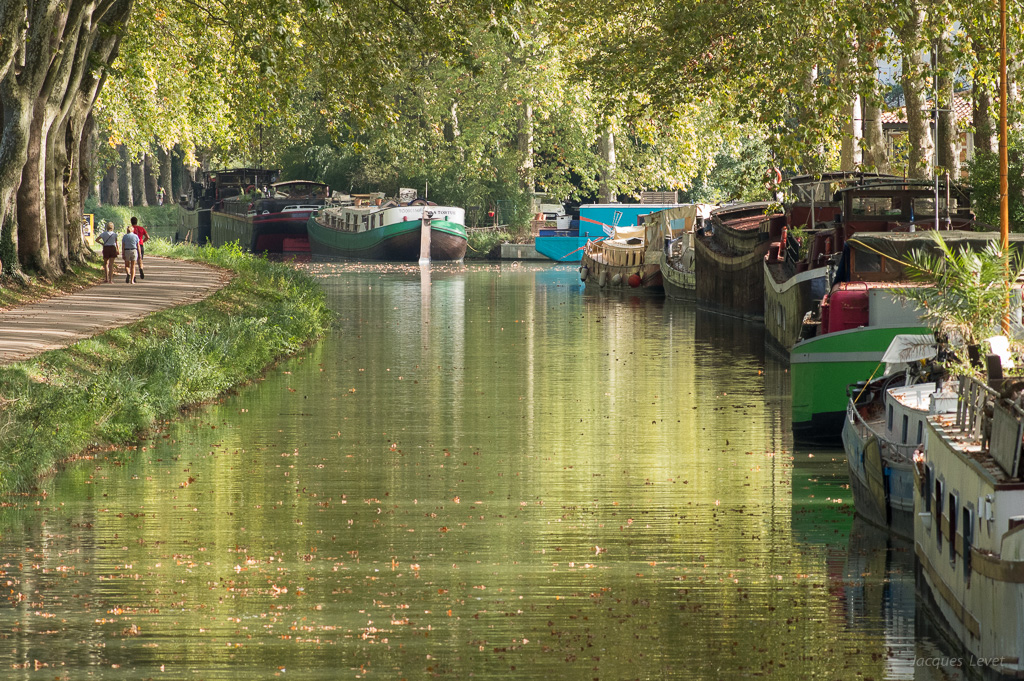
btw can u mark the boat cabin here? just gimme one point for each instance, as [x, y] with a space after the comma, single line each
[370, 212]
[294, 196]
[872, 263]
[863, 203]
[881, 256]
[813, 200]
[298, 190]
[904, 206]
[218, 185]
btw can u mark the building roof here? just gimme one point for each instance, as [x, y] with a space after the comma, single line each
[962, 106]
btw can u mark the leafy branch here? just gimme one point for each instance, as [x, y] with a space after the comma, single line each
[963, 293]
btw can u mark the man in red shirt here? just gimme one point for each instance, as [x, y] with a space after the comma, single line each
[143, 235]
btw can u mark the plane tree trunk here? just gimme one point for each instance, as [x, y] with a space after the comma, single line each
[876, 156]
[150, 173]
[51, 69]
[138, 185]
[124, 174]
[915, 80]
[164, 157]
[948, 137]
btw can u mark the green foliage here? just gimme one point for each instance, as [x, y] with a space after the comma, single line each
[899, 156]
[158, 216]
[984, 178]
[963, 293]
[159, 221]
[489, 102]
[738, 174]
[111, 387]
[486, 244]
[803, 238]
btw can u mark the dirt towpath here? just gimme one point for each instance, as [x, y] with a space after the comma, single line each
[29, 330]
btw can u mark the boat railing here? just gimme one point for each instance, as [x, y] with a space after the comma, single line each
[894, 452]
[995, 422]
[615, 254]
[973, 397]
[680, 253]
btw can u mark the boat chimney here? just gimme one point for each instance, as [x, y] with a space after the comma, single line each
[994, 370]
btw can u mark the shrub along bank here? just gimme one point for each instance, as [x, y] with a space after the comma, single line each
[110, 388]
[486, 244]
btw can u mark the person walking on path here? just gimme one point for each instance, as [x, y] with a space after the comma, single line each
[57, 322]
[108, 237]
[143, 235]
[130, 246]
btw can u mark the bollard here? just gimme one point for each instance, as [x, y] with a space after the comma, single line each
[425, 237]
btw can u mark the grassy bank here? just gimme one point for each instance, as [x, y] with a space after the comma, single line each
[109, 388]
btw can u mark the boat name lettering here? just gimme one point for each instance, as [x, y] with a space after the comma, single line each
[435, 211]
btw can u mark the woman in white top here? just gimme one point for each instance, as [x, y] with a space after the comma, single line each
[108, 237]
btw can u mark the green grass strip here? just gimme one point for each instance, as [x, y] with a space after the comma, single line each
[109, 389]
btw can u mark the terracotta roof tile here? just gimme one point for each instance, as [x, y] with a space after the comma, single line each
[962, 105]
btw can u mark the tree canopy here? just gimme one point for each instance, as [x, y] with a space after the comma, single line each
[483, 102]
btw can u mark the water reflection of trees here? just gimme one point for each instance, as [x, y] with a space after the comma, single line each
[545, 480]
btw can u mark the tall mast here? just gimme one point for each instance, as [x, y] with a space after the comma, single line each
[1004, 191]
[935, 118]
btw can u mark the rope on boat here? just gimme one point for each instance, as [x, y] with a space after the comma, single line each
[884, 255]
[866, 384]
[583, 247]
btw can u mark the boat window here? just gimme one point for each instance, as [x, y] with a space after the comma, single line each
[906, 427]
[889, 425]
[866, 261]
[954, 509]
[920, 432]
[929, 475]
[938, 514]
[924, 206]
[968, 530]
[882, 206]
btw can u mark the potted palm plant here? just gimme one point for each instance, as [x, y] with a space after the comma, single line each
[964, 294]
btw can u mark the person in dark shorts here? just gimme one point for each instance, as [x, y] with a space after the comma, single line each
[108, 237]
[130, 249]
[143, 235]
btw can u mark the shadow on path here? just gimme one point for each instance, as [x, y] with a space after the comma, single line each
[29, 330]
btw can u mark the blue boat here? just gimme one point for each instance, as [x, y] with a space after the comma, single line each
[597, 220]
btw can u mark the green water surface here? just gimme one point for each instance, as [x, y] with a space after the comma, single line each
[483, 472]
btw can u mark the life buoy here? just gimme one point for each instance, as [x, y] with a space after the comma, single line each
[635, 280]
[602, 278]
[617, 280]
[584, 271]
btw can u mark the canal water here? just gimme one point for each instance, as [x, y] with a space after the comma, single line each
[482, 472]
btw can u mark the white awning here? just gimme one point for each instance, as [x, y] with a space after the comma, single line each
[907, 347]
